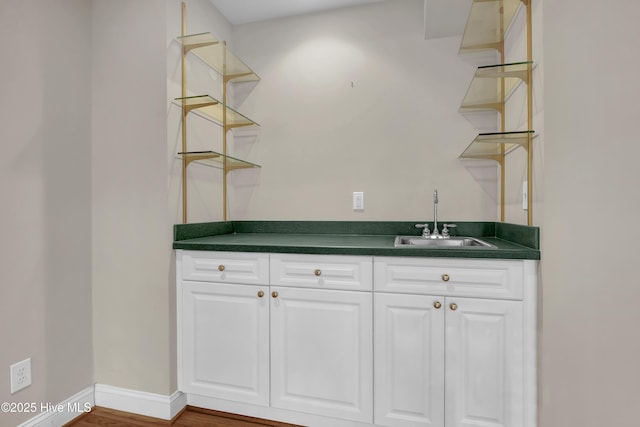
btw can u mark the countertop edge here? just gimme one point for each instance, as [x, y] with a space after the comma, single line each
[425, 253]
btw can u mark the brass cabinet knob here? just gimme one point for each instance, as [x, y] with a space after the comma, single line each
[274, 294]
[445, 277]
[221, 267]
[317, 272]
[437, 304]
[453, 306]
[260, 294]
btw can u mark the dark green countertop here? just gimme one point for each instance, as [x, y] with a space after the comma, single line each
[352, 238]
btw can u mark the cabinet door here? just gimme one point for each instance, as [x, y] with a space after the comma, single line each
[225, 341]
[409, 360]
[484, 363]
[321, 352]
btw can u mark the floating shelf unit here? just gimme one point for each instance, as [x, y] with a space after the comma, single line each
[218, 160]
[215, 54]
[216, 110]
[493, 145]
[492, 85]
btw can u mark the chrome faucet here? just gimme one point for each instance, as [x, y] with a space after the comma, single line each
[435, 234]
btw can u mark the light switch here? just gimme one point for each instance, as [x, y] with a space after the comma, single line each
[358, 201]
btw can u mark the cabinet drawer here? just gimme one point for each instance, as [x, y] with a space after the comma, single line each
[498, 279]
[226, 267]
[322, 271]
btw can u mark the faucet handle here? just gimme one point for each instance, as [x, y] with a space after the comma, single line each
[445, 229]
[425, 227]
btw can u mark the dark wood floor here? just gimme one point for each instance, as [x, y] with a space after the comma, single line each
[190, 417]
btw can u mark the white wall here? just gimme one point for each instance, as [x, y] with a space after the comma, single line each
[355, 100]
[590, 318]
[84, 126]
[131, 228]
[45, 183]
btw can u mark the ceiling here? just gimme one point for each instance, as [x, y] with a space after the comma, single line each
[244, 11]
[442, 18]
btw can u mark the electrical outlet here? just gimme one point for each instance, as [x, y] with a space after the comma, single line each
[358, 201]
[525, 196]
[20, 375]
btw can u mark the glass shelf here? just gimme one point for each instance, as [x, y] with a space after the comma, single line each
[214, 53]
[486, 25]
[488, 145]
[486, 89]
[213, 109]
[215, 159]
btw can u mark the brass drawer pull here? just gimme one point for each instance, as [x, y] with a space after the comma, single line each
[274, 294]
[453, 306]
[260, 294]
[437, 304]
[445, 277]
[221, 267]
[317, 272]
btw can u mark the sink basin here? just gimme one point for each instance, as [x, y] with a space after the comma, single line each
[451, 242]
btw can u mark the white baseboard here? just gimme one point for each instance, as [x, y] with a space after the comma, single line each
[139, 402]
[55, 415]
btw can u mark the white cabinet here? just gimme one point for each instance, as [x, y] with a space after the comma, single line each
[292, 334]
[225, 341]
[322, 335]
[447, 359]
[223, 325]
[322, 352]
[409, 360]
[354, 341]
[484, 363]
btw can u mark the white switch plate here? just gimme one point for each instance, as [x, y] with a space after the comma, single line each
[525, 196]
[358, 201]
[20, 375]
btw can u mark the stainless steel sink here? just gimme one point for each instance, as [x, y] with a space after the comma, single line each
[451, 242]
